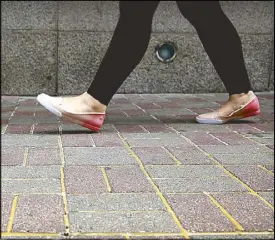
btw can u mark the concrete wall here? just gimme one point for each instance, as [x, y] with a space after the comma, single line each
[56, 47]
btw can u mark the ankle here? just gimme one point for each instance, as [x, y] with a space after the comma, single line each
[93, 103]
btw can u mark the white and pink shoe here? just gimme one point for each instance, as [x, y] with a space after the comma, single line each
[90, 120]
[251, 108]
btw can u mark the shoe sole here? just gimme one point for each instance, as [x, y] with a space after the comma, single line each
[217, 121]
[42, 99]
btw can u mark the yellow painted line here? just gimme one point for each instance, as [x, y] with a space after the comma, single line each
[237, 225]
[229, 173]
[159, 193]
[23, 234]
[141, 234]
[265, 169]
[241, 182]
[127, 236]
[61, 151]
[230, 233]
[121, 211]
[4, 128]
[26, 152]
[106, 179]
[65, 202]
[172, 156]
[12, 214]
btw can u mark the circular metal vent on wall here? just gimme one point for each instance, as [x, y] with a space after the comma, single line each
[166, 52]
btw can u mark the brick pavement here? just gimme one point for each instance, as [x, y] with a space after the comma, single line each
[151, 173]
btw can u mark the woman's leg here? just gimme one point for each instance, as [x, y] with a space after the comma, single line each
[126, 49]
[224, 48]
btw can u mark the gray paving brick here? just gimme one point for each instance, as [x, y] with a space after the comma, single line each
[31, 186]
[214, 149]
[31, 172]
[128, 179]
[77, 140]
[155, 140]
[12, 140]
[43, 156]
[46, 128]
[197, 185]
[71, 128]
[107, 140]
[123, 222]
[98, 156]
[248, 210]
[84, 180]
[253, 176]
[235, 236]
[198, 214]
[269, 196]
[233, 139]
[39, 213]
[116, 202]
[6, 203]
[153, 155]
[18, 129]
[200, 138]
[190, 155]
[186, 171]
[245, 159]
[11, 156]
[129, 128]
[157, 128]
[194, 127]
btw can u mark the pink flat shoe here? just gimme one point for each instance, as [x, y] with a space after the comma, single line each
[90, 120]
[249, 109]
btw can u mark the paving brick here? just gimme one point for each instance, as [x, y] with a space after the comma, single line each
[84, 180]
[245, 159]
[19, 129]
[194, 127]
[233, 139]
[155, 139]
[134, 112]
[27, 102]
[266, 127]
[71, 128]
[98, 156]
[29, 140]
[202, 139]
[248, 210]
[198, 214]
[11, 156]
[39, 213]
[77, 140]
[46, 128]
[235, 236]
[253, 176]
[148, 106]
[43, 114]
[116, 202]
[107, 140]
[123, 222]
[6, 203]
[198, 185]
[186, 171]
[269, 196]
[31, 186]
[226, 149]
[129, 128]
[20, 113]
[190, 155]
[242, 128]
[22, 120]
[157, 128]
[267, 141]
[43, 156]
[153, 155]
[30, 172]
[128, 179]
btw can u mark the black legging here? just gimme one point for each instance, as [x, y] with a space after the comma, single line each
[132, 34]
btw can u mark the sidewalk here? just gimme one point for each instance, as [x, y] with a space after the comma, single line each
[151, 173]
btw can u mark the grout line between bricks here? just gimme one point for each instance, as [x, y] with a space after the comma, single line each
[26, 152]
[252, 191]
[237, 225]
[217, 139]
[184, 232]
[178, 162]
[63, 189]
[109, 188]
[12, 214]
[4, 129]
[265, 169]
[122, 211]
